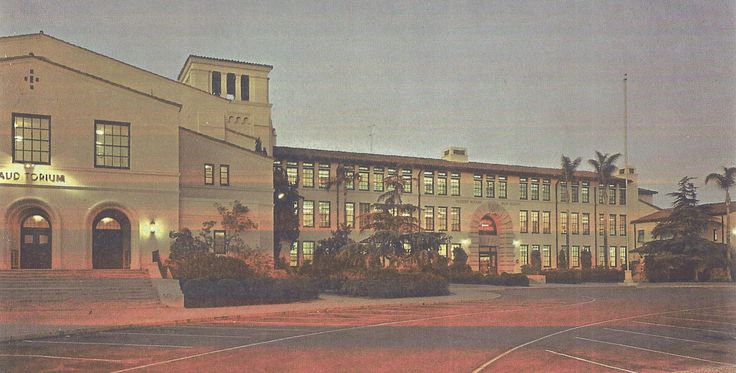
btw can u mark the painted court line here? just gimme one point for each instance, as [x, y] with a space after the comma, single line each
[699, 320]
[61, 357]
[657, 351]
[225, 327]
[684, 327]
[178, 335]
[663, 336]
[591, 361]
[310, 335]
[107, 344]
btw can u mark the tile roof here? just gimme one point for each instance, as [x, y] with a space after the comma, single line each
[191, 56]
[712, 209]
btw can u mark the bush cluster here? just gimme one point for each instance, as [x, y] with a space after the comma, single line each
[204, 292]
[505, 279]
[212, 267]
[577, 276]
[393, 284]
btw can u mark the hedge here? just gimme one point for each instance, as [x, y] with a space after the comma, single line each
[212, 267]
[389, 284]
[505, 279]
[204, 292]
[576, 276]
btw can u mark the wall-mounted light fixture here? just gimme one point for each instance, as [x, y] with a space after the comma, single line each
[465, 242]
[517, 243]
[152, 227]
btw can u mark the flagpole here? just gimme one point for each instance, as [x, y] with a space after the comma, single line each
[627, 273]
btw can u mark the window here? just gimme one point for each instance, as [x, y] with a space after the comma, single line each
[575, 256]
[441, 218]
[622, 256]
[546, 225]
[622, 195]
[574, 192]
[294, 254]
[563, 222]
[523, 221]
[350, 214]
[574, 223]
[378, 179]
[600, 195]
[622, 225]
[585, 192]
[112, 144]
[612, 195]
[563, 192]
[292, 173]
[308, 213]
[601, 224]
[545, 189]
[640, 235]
[209, 174]
[32, 138]
[230, 85]
[490, 186]
[324, 214]
[523, 254]
[585, 221]
[502, 191]
[455, 219]
[429, 218]
[523, 188]
[428, 182]
[535, 189]
[224, 175]
[547, 256]
[477, 186]
[364, 217]
[308, 251]
[442, 250]
[601, 255]
[535, 221]
[219, 240]
[363, 179]
[442, 183]
[612, 256]
[406, 180]
[308, 175]
[454, 184]
[324, 175]
[612, 224]
[244, 88]
[349, 177]
[216, 83]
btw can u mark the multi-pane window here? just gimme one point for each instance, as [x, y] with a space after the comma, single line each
[523, 221]
[535, 221]
[244, 88]
[441, 218]
[622, 195]
[308, 213]
[585, 222]
[442, 183]
[622, 255]
[112, 144]
[224, 175]
[574, 192]
[364, 210]
[216, 83]
[585, 192]
[611, 194]
[31, 138]
[363, 178]
[612, 256]
[230, 85]
[219, 241]
[308, 175]
[442, 250]
[563, 222]
[535, 248]
[601, 224]
[601, 255]
[523, 254]
[429, 218]
[428, 182]
[575, 256]
[600, 190]
[308, 251]
[574, 223]
[490, 186]
[545, 189]
[324, 214]
[547, 256]
[455, 219]
[612, 224]
[534, 189]
[546, 224]
[294, 254]
[640, 236]
[523, 188]
[349, 177]
[622, 225]
[350, 214]
[406, 180]
[454, 184]
[502, 187]
[209, 174]
[563, 192]
[323, 175]
[292, 173]
[378, 179]
[477, 186]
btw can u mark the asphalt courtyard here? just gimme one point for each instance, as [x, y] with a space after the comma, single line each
[567, 329]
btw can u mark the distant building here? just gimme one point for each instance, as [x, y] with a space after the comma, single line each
[716, 230]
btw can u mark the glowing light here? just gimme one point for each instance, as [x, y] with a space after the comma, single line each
[152, 227]
[733, 231]
[37, 218]
[100, 132]
[106, 220]
[18, 138]
[465, 242]
[517, 243]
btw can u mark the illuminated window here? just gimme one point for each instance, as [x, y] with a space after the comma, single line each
[574, 192]
[585, 192]
[455, 219]
[112, 144]
[585, 221]
[601, 224]
[441, 218]
[224, 175]
[477, 186]
[534, 188]
[523, 221]
[442, 183]
[219, 242]
[523, 188]
[363, 179]
[612, 195]
[406, 180]
[378, 179]
[490, 186]
[502, 187]
[563, 222]
[574, 223]
[601, 255]
[546, 225]
[349, 177]
[209, 174]
[390, 173]
[563, 192]
[575, 256]
[31, 138]
[622, 255]
[294, 254]
[308, 251]
[523, 254]
[292, 173]
[442, 250]
[612, 256]
[324, 214]
[547, 255]
[429, 218]
[324, 175]
[454, 184]
[308, 213]
[535, 221]
[622, 225]
[612, 224]
[308, 175]
[545, 189]
[350, 214]
[622, 195]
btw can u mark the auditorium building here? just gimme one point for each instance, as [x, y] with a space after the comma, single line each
[101, 160]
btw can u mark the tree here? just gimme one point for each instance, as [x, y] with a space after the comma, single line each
[285, 212]
[234, 221]
[567, 174]
[725, 181]
[604, 165]
[343, 175]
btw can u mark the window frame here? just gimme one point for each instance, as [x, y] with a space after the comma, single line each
[225, 167]
[13, 136]
[224, 241]
[212, 175]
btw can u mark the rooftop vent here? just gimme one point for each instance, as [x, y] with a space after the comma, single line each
[455, 154]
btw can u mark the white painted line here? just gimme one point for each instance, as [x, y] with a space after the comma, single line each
[489, 362]
[699, 320]
[657, 351]
[684, 327]
[107, 344]
[663, 336]
[241, 328]
[60, 357]
[178, 335]
[591, 361]
[711, 314]
[314, 334]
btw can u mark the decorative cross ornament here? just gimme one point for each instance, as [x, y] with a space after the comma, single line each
[30, 79]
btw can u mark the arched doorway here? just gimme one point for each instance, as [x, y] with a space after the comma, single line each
[487, 250]
[35, 240]
[111, 240]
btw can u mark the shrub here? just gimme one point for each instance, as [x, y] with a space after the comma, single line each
[536, 261]
[563, 276]
[213, 267]
[669, 267]
[562, 259]
[505, 279]
[230, 292]
[586, 259]
[392, 284]
[460, 263]
[600, 274]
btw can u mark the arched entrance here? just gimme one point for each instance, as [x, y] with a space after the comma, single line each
[35, 240]
[487, 251]
[111, 240]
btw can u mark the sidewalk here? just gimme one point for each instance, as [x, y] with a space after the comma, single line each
[22, 324]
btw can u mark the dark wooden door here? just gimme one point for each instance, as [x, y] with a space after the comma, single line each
[107, 249]
[35, 250]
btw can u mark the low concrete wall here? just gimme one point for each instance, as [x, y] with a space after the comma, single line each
[169, 292]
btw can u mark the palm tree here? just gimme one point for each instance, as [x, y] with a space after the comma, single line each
[567, 174]
[604, 165]
[725, 181]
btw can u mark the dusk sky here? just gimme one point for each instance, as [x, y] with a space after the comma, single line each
[516, 82]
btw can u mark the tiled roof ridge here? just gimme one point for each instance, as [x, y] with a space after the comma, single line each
[230, 60]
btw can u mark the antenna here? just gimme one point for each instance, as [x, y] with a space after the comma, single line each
[370, 135]
[626, 124]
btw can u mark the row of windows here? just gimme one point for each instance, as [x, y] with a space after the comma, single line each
[581, 193]
[209, 174]
[230, 85]
[545, 255]
[577, 224]
[323, 210]
[32, 141]
[616, 256]
[307, 252]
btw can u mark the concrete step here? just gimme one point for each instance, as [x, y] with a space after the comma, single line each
[96, 273]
